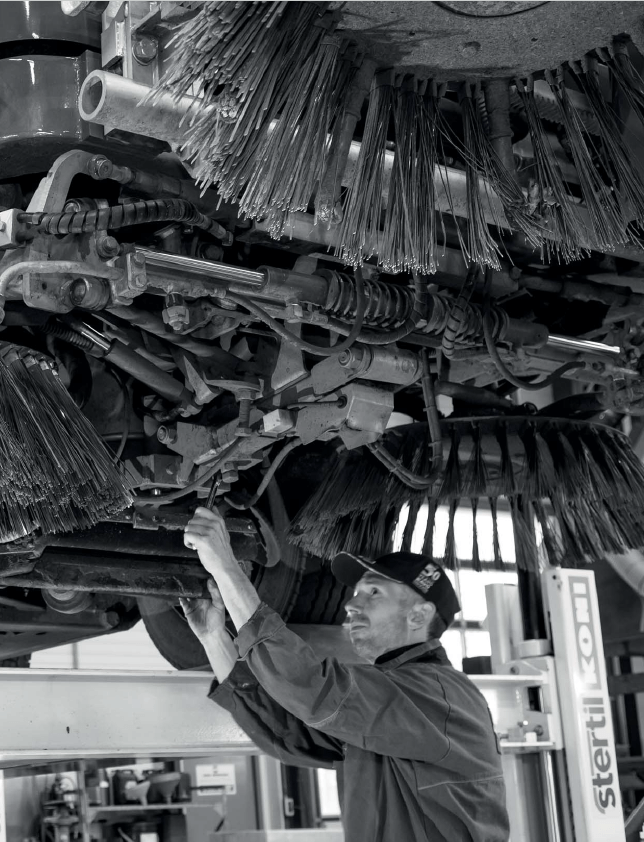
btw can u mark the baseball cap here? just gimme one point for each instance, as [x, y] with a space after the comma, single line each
[419, 572]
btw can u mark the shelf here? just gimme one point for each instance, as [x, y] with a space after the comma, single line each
[119, 809]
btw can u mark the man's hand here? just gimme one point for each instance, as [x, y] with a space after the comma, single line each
[207, 534]
[206, 617]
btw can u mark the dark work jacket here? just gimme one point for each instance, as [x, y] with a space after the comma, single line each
[410, 737]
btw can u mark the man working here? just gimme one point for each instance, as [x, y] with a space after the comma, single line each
[411, 737]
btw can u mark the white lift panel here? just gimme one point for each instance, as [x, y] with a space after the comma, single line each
[48, 715]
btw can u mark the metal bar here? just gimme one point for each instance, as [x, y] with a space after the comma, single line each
[550, 796]
[205, 268]
[109, 713]
[583, 346]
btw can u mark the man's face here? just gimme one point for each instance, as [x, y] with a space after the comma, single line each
[377, 615]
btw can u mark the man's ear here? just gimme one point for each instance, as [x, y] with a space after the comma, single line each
[421, 614]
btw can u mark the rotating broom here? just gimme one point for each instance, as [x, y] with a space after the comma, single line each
[279, 89]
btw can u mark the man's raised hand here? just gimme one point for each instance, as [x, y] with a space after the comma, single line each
[207, 534]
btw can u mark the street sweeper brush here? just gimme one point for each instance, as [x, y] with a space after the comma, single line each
[574, 490]
[56, 475]
[276, 93]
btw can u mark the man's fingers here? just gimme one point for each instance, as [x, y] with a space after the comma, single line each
[209, 515]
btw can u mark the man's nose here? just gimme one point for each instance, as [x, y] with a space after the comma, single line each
[353, 606]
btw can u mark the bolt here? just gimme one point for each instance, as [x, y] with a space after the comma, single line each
[243, 422]
[139, 281]
[108, 247]
[155, 492]
[167, 435]
[3, 226]
[145, 49]
[176, 312]
[514, 670]
[538, 730]
[78, 291]
[100, 167]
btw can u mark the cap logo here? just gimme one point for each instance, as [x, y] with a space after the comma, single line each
[428, 576]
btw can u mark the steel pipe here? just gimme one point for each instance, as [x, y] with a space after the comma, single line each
[583, 346]
[246, 280]
[113, 101]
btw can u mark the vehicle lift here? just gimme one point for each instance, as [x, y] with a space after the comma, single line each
[549, 702]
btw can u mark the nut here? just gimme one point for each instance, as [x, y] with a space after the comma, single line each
[177, 316]
[145, 49]
[167, 435]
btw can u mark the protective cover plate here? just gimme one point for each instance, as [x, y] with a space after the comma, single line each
[435, 38]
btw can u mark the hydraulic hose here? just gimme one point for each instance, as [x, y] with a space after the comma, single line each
[121, 216]
[417, 481]
[353, 335]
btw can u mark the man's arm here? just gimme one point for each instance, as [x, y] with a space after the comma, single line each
[270, 726]
[358, 705]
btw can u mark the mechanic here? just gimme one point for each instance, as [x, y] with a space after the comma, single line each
[411, 737]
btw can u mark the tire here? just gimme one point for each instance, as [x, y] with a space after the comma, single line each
[19, 662]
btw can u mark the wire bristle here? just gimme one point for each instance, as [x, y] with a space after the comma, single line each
[360, 227]
[290, 164]
[547, 191]
[608, 227]
[615, 156]
[62, 475]
[247, 63]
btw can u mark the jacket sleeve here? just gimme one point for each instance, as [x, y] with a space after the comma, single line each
[272, 728]
[402, 713]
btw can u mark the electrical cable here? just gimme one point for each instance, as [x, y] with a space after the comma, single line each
[505, 372]
[302, 344]
[126, 412]
[268, 476]
[162, 499]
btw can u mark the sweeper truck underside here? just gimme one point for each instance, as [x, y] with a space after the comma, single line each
[436, 214]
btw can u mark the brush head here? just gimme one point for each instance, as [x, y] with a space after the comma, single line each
[56, 474]
[574, 490]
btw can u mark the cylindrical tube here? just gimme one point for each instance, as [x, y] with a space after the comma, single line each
[111, 100]
[583, 346]
[381, 363]
[248, 280]
[141, 369]
[550, 796]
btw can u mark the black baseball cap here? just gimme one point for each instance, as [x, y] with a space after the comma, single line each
[421, 573]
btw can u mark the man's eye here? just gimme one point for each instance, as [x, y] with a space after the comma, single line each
[374, 590]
